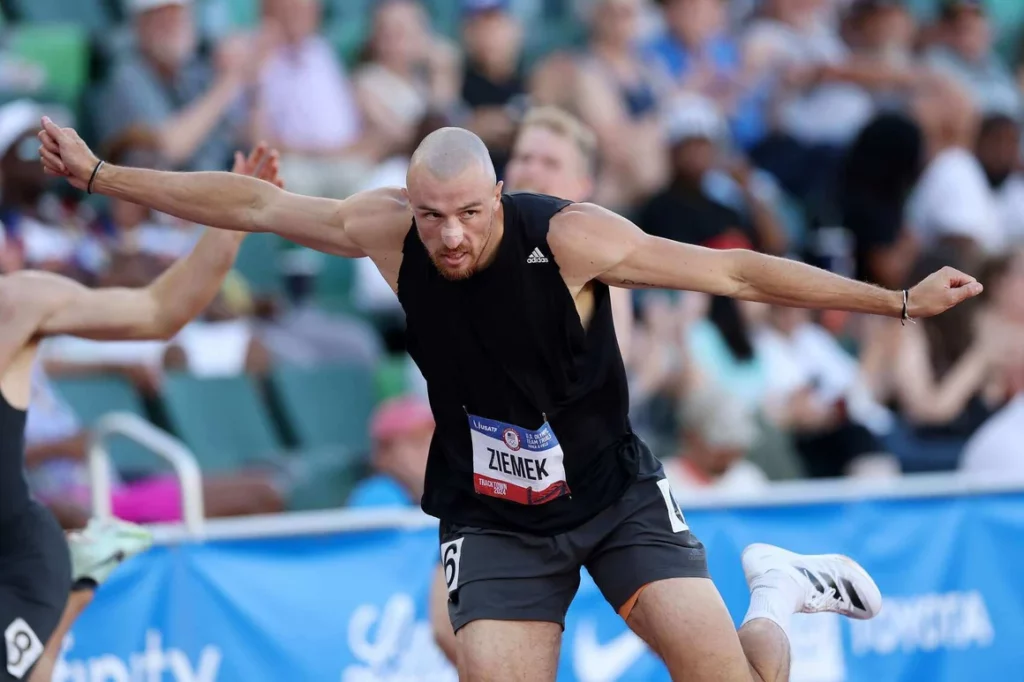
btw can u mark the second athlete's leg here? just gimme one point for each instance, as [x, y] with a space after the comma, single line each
[77, 601]
[95, 553]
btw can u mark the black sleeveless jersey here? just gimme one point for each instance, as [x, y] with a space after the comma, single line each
[14, 494]
[504, 352]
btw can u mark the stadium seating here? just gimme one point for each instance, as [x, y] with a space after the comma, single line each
[333, 286]
[91, 15]
[222, 420]
[327, 406]
[62, 50]
[389, 380]
[258, 263]
[94, 396]
[228, 426]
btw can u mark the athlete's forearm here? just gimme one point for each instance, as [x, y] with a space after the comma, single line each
[186, 288]
[780, 281]
[227, 200]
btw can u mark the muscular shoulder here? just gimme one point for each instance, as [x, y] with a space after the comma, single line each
[378, 220]
[587, 241]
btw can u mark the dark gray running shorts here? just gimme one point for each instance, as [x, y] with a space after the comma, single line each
[35, 580]
[501, 575]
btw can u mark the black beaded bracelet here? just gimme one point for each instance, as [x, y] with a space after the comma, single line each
[92, 178]
[906, 308]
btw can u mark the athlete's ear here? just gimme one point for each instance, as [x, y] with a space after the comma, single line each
[497, 193]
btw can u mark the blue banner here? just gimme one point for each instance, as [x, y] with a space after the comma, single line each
[352, 607]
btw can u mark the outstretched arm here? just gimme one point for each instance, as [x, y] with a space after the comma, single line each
[592, 243]
[41, 303]
[36, 303]
[223, 200]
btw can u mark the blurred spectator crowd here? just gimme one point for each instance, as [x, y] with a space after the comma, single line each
[880, 139]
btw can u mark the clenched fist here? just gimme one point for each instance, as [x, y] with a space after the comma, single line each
[940, 291]
[65, 154]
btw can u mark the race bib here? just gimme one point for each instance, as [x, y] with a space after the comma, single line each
[516, 464]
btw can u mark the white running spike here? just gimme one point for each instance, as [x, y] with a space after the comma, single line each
[830, 582]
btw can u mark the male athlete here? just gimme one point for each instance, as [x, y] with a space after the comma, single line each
[36, 610]
[534, 470]
[554, 154]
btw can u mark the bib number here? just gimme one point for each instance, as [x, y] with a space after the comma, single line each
[23, 648]
[451, 558]
[516, 464]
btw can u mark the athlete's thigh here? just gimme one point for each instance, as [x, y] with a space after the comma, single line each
[518, 588]
[508, 651]
[641, 539]
[685, 622]
[500, 575]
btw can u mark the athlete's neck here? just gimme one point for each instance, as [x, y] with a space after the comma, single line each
[497, 231]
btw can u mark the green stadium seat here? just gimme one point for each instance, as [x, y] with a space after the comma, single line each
[341, 11]
[222, 420]
[444, 16]
[794, 220]
[329, 490]
[233, 14]
[90, 15]
[327, 406]
[62, 50]
[259, 263]
[334, 283]
[347, 37]
[1008, 22]
[390, 378]
[95, 396]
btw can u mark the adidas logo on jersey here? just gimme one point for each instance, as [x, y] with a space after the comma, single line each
[537, 257]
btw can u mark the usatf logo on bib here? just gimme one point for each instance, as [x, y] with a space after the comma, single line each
[516, 464]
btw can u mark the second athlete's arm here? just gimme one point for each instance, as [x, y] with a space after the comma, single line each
[158, 311]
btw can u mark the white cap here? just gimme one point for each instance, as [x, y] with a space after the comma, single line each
[693, 116]
[140, 6]
[15, 119]
[721, 419]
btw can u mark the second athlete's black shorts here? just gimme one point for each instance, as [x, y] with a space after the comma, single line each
[35, 579]
[501, 575]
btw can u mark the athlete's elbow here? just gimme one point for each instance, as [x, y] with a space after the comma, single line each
[736, 275]
[260, 208]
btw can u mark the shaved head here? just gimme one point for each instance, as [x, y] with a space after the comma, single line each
[456, 201]
[447, 153]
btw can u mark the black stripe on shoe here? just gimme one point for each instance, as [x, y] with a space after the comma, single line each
[813, 578]
[852, 594]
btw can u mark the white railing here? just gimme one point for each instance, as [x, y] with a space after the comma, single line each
[161, 444]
